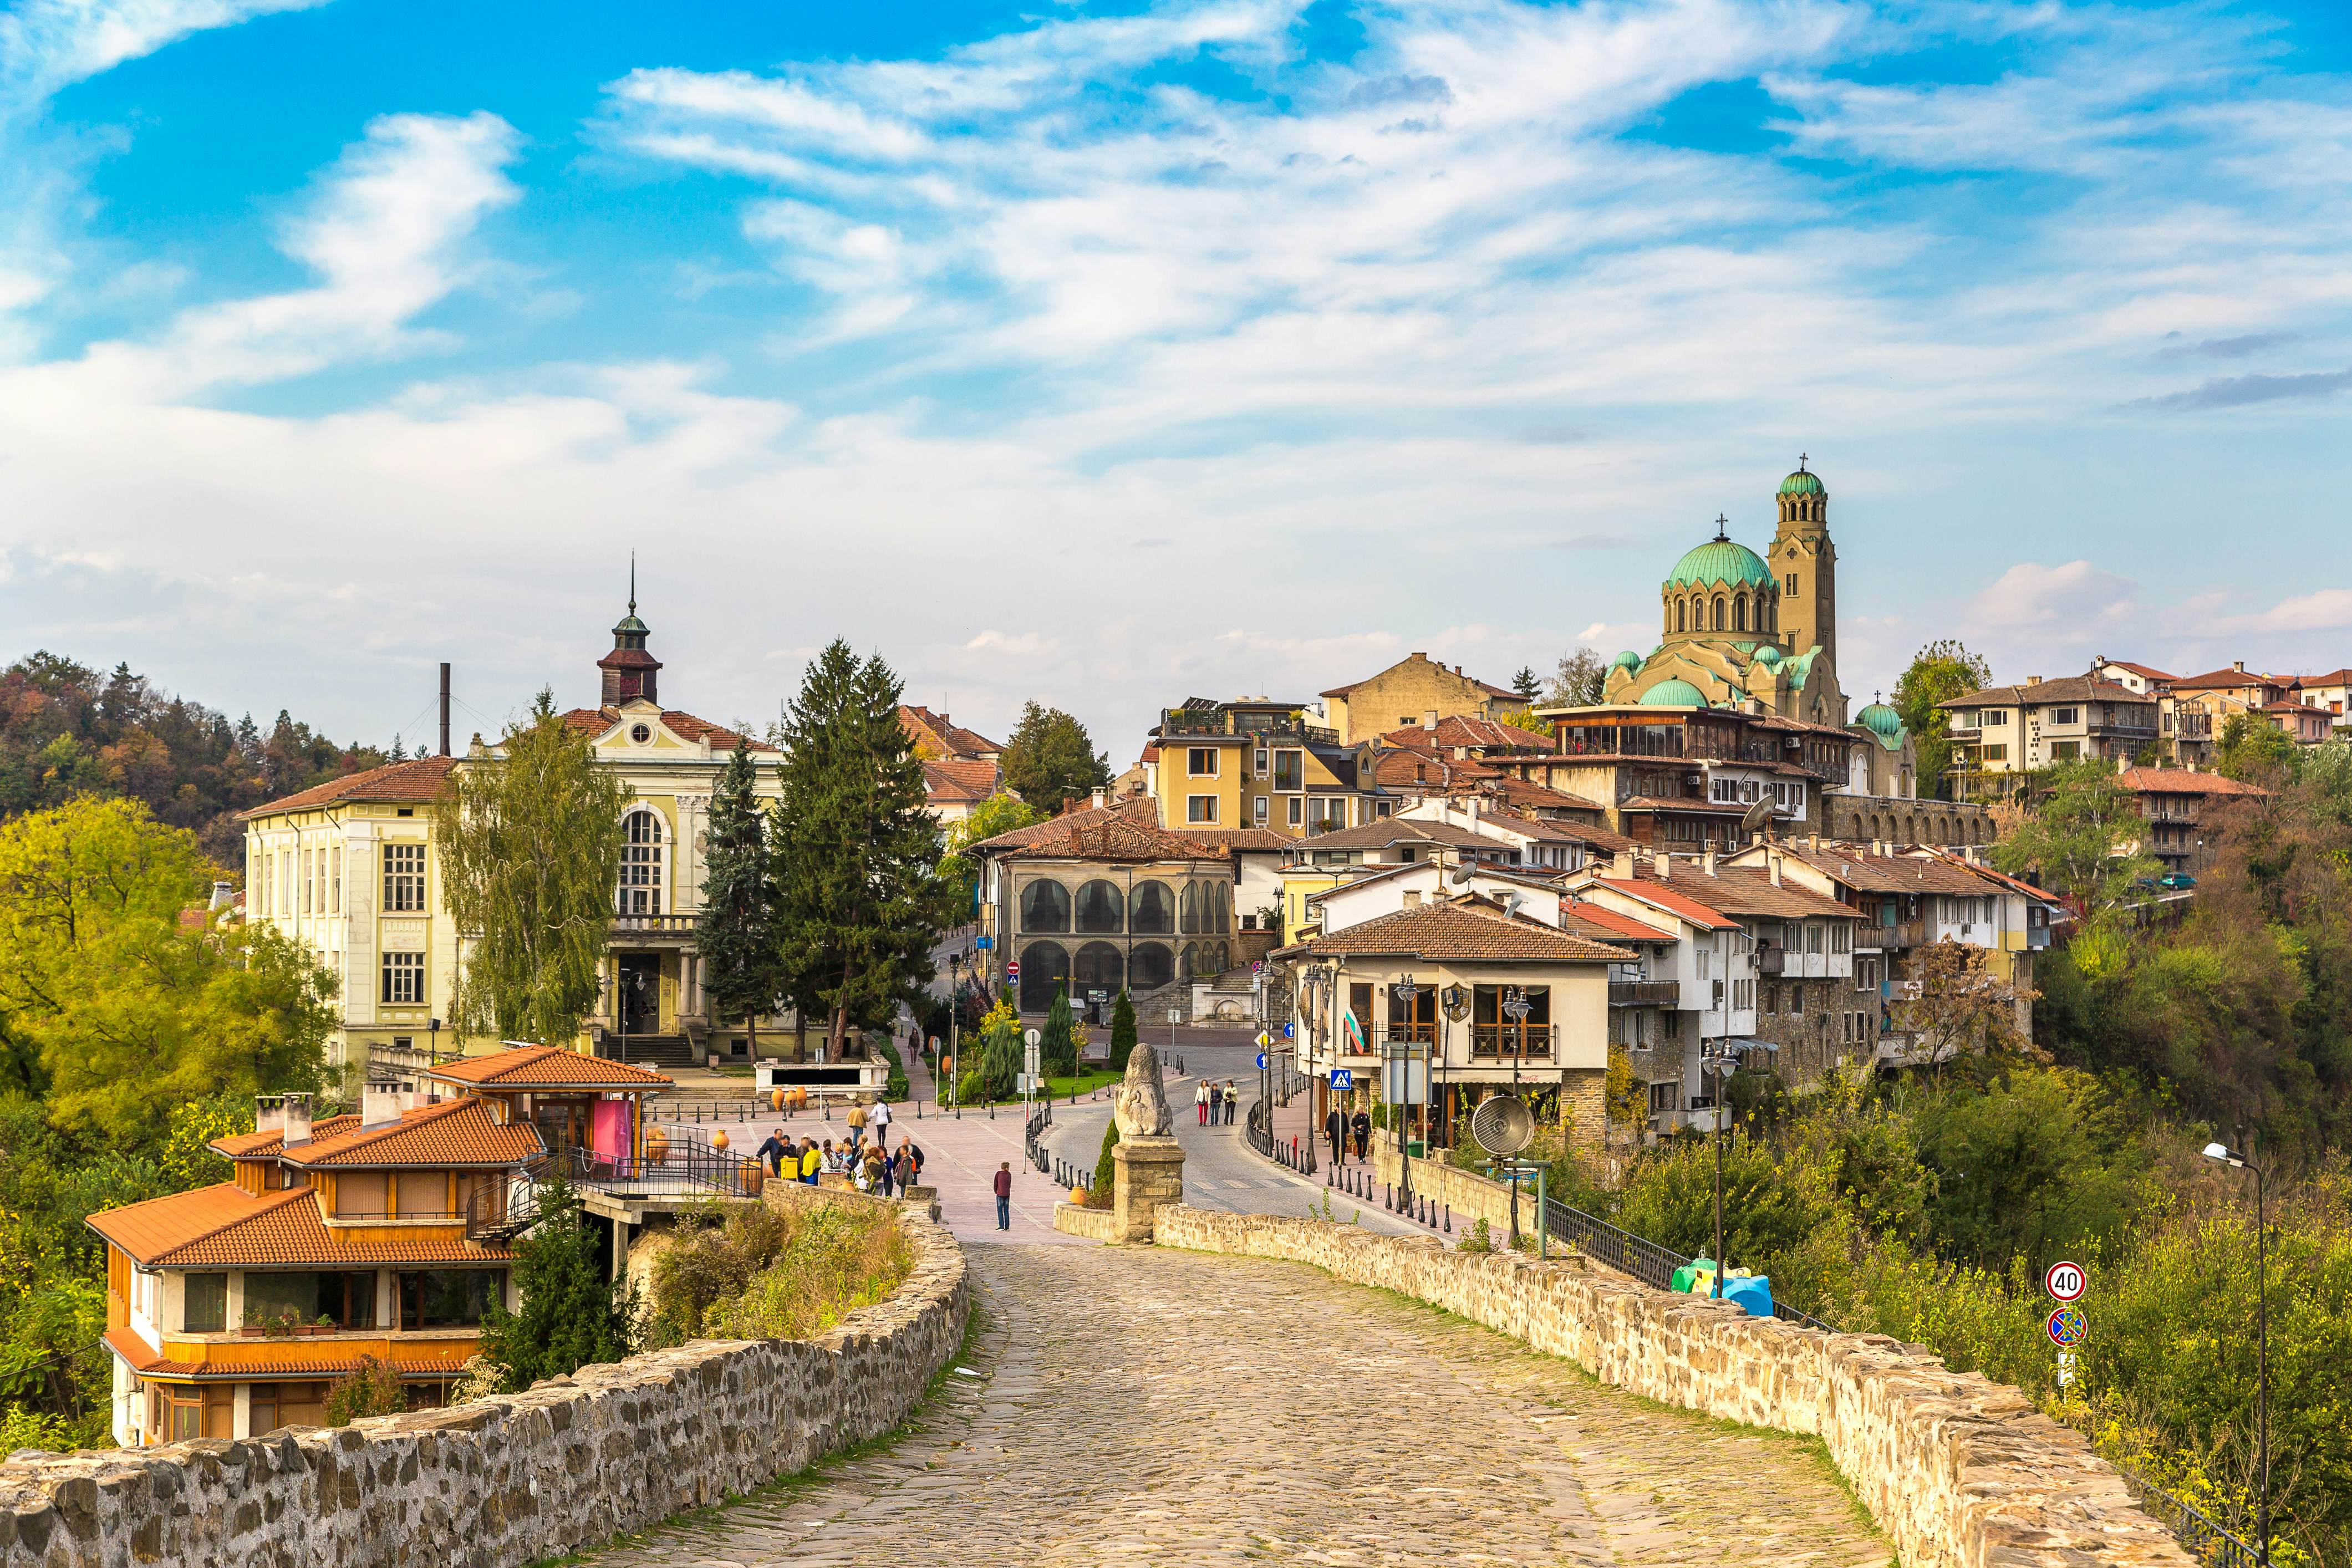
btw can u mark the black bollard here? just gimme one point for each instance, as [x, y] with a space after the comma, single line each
[1449, 1219]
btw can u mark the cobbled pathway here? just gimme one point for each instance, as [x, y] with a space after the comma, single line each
[1170, 1407]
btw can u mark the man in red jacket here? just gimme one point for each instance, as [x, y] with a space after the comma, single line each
[1005, 1196]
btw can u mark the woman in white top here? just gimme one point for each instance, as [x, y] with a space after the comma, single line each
[1201, 1102]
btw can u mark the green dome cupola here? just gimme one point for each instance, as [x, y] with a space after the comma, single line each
[1722, 561]
[1676, 693]
[1884, 722]
[1802, 483]
[1629, 659]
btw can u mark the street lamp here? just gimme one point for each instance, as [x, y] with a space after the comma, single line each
[2228, 1156]
[1717, 1062]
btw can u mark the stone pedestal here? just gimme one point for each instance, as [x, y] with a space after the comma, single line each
[1151, 1173]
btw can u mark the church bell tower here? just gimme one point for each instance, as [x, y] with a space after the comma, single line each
[629, 671]
[1805, 562]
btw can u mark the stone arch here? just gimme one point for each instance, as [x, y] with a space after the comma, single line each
[1044, 966]
[1045, 906]
[1718, 612]
[1152, 910]
[1101, 907]
[1099, 966]
[1150, 965]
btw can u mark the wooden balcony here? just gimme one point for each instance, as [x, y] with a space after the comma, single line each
[1646, 994]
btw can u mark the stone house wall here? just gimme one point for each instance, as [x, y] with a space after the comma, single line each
[1958, 1471]
[513, 1479]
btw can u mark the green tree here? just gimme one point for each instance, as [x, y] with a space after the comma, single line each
[2254, 748]
[2035, 1160]
[1122, 1032]
[1000, 1059]
[1578, 680]
[737, 936]
[1526, 684]
[1106, 1166]
[2075, 836]
[1050, 761]
[570, 1315]
[855, 849]
[1057, 1047]
[1000, 813]
[1940, 671]
[530, 857]
[113, 1007]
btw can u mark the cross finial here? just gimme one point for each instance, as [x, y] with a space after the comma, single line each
[1722, 526]
[1800, 462]
[633, 582]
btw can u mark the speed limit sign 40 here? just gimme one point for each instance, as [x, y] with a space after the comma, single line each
[2064, 1281]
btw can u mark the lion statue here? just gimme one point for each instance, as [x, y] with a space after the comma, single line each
[1140, 1108]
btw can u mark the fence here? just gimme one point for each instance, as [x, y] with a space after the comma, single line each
[1032, 1141]
[2206, 1541]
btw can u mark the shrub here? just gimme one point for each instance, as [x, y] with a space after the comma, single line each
[570, 1315]
[1105, 1167]
[1479, 1238]
[710, 1261]
[1122, 1032]
[831, 1261]
[372, 1388]
[1057, 1047]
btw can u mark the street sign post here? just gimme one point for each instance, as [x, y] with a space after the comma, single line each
[2065, 1281]
[1342, 1080]
[1261, 1061]
[985, 943]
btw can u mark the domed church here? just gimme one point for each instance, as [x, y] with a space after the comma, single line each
[1741, 631]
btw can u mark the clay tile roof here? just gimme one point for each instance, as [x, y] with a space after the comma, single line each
[2145, 671]
[1465, 930]
[1125, 830]
[1235, 840]
[1526, 794]
[1460, 729]
[2181, 781]
[1856, 866]
[2070, 689]
[950, 737]
[547, 1068]
[226, 1226]
[592, 721]
[1737, 890]
[455, 1132]
[265, 1145]
[1607, 923]
[1402, 767]
[2227, 681]
[418, 779]
[126, 1343]
[966, 779]
[1388, 830]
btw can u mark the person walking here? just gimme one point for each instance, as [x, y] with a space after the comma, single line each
[877, 1121]
[1232, 1100]
[1201, 1102]
[1005, 1196]
[1362, 1126]
[1335, 1127]
[857, 1126]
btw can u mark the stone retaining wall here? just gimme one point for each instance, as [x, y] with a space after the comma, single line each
[1095, 1225]
[515, 1479]
[1958, 1471]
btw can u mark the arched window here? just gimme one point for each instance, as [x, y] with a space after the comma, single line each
[1099, 967]
[1044, 966]
[1191, 908]
[1152, 910]
[1718, 613]
[1100, 907]
[641, 864]
[1045, 906]
[1224, 907]
[1682, 622]
[1150, 965]
[1739, 614]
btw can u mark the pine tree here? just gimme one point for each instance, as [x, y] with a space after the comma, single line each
[1050, 761]
[530, 853]
[1526, 684]
[1000, 1059]
[1122, 1032]
[1105, 1167]
[570, 1315]
[1057, 1051]
[737, 937]
[854, 849]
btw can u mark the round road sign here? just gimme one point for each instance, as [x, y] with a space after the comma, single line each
[2068, 1328]
[1031, 1037]
[2064, 1281]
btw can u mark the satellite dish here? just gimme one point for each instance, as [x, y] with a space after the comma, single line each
[1756, 818]
[1463, 874]
[1503, 1125]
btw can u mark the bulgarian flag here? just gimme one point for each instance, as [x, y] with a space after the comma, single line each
[1355, 1030]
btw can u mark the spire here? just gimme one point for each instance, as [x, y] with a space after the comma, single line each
[629, 671]
[633, 573]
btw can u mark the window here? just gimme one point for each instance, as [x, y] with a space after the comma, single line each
[1200, 808]
[306, 856]
[346, 1299]
[1100, 907]
[1261, 762]
[1045, 906]
[1360, 1003]
[1996, 753]
[1200, 762]
[1259, 811]
[1665, 1097]
[449, 1298]
[337, 907]
[1493, 1032]
[641, 864]
[1812, 936]
[403, 978]
[2064, 716]
[1289, 771]
[1796, 1001]
[1996, 715]
[1771, 998]
[2065, 751]
[403, 878]
[1298, 811]
[1152, 909]
[641, 733]
[205, 1303]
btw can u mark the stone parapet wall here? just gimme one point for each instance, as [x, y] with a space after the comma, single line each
[511, 1480]
[1958, 1471]
[1095, 1225]
[1471, 1196]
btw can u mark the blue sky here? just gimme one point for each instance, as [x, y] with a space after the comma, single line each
[1106, 355]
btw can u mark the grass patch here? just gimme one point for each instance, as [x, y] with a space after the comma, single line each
[773, 1273]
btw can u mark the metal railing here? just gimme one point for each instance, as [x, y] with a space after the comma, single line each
[1033, 1139]
[1532, 1041]
[2209, 1542]
[500, 1210]
[1644, 993]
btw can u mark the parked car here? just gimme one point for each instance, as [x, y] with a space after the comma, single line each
[2176, 881]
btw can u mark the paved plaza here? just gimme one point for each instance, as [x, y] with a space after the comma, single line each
[1134, 1404]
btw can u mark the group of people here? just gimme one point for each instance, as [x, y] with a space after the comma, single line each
[1345, 1131]
[871, 1165]
[1214, 1103]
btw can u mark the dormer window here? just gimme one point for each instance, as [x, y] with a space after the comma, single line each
[642, 734]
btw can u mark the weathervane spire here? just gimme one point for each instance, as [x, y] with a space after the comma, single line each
[633, 582]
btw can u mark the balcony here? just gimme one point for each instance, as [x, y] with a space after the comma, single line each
[1181, 721]
[678, 929]
[1646, 994]
[1903, 933]
[1771, 959]
[1510, 1042]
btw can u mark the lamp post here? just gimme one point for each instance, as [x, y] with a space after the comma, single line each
[1716, 1061]
[1398, 1060]
[2228, 1156]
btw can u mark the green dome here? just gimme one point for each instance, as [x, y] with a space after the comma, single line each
[1767, 656]
[1802, 483]
[1883, 721]
[1722, 561]
[1674, 694]
[1629, 659]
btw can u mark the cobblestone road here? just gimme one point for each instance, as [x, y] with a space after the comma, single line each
[1172, 1408]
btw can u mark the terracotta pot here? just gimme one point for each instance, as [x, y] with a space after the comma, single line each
[775, 1099]
[254, 1330]
[1078, 1196]
[719, 1140]
[657, 1146]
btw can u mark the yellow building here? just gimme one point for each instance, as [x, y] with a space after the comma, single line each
[350, 871]
[1257, 764]
[1415, 690]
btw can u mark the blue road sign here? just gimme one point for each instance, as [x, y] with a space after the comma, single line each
[1290, 1031]
[986, 942]
[1261, 1061]
[1343, 1078]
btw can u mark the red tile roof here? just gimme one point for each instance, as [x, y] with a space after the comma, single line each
[1673, 900]
[453, 1134]
[325, 1363]
[1125, 830]
[1467, 929]
[226, 1226]
[944, 734]
[2145, 671]
[593, 722]
[968, 780]
[547, 1068]
[1737, 890]
[1477, 735]
[2070, 689]
[1404, 767]
[264, 1145]
[2181, 781]
[1607, 922]
[418, 779]
[2229, 680]
[1236, 840]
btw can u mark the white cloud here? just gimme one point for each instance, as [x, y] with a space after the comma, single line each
[2077, 599]
[46, 45]
[2322, 610]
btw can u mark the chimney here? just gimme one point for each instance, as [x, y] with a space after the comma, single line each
[269, 1112]
[1102, 798]
[444, 708]
[1664, 865]
[2239, 665]
[1621, 866]
[221, 893]
[1429, 720]
[296, 1122]
[1707, 858]
[1878, 846]
[382, 1100]
[1473, 813]
[1813, 842]
[2032, 680]
[1772, 865]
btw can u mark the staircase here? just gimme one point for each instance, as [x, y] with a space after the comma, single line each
[656, 1050]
